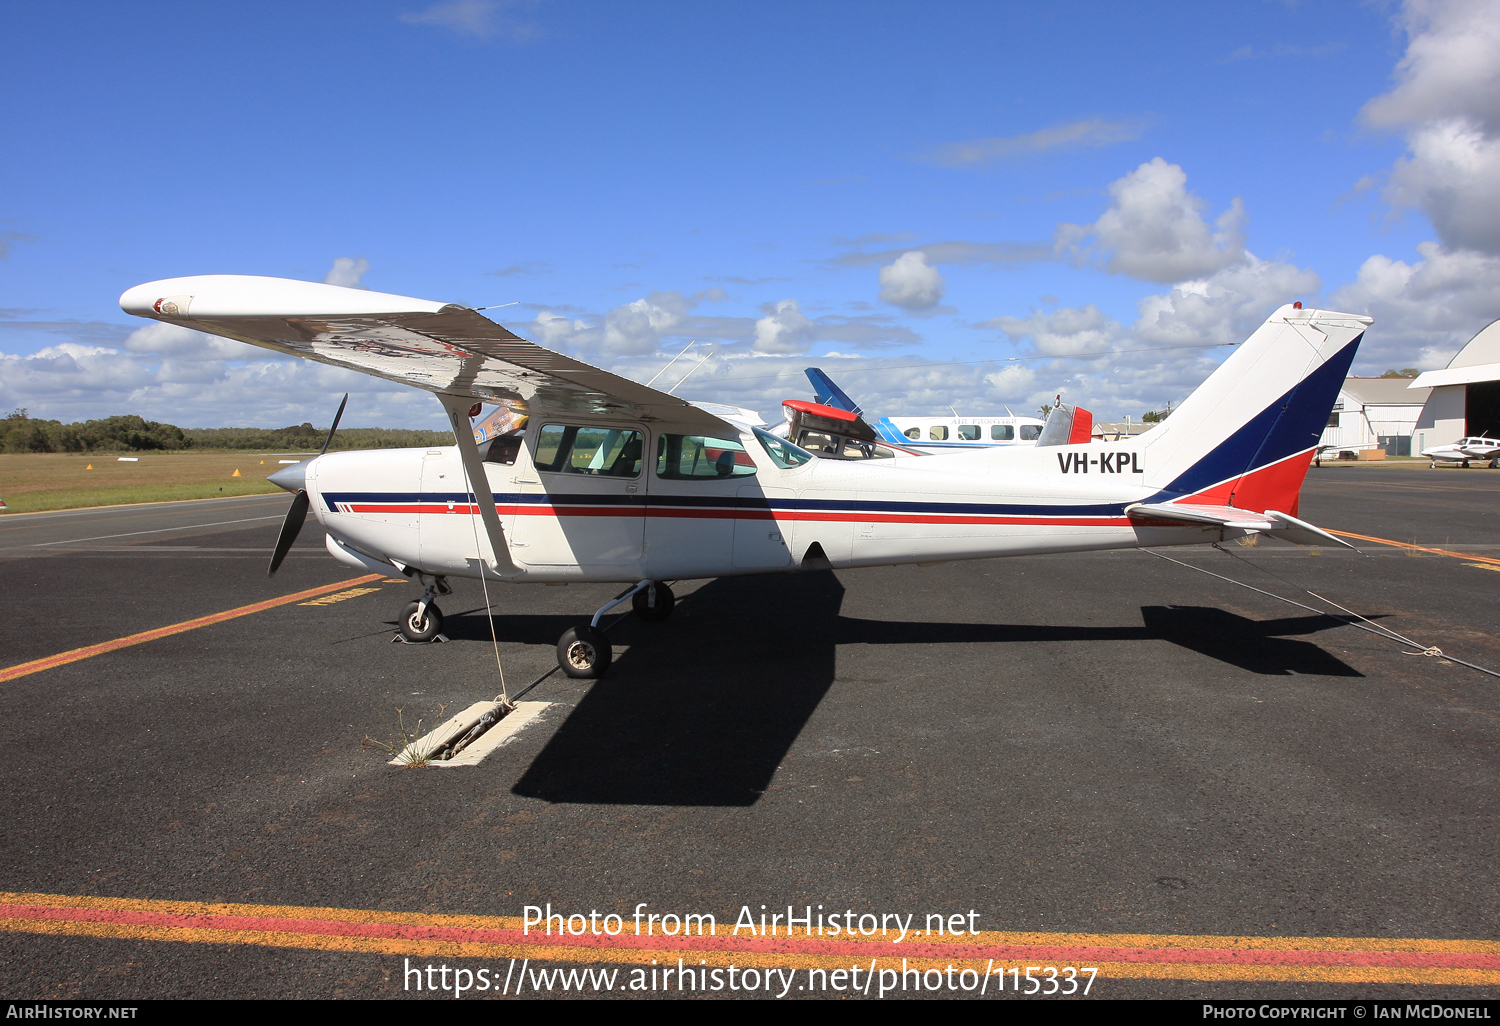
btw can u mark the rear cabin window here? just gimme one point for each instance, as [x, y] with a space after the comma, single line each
[969, 432]
[914, 433]
[817, 441]
[693, 457]
[601, 452]
[937, 433]
[503, 449]
[1002, 432]
[1031, 432]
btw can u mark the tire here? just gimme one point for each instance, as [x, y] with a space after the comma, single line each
[584, 652]
[665, 600]
[424, 630]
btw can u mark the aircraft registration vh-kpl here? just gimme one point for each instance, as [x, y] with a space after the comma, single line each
[614, 481]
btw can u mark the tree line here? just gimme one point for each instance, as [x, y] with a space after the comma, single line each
[22, 433]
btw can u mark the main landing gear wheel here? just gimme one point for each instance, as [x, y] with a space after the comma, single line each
[641, 602]
[584, 652]
[424, 628]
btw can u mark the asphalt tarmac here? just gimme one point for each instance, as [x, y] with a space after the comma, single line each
[1090, 744]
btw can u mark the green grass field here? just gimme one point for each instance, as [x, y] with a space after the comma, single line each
[30, 482]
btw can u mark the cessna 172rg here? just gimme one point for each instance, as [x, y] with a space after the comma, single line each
[615, 481]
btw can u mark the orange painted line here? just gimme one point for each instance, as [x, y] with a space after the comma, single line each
[1418, 548]
[74, 655]
[1186, 957]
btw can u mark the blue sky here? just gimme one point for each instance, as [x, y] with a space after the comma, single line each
[890, 191]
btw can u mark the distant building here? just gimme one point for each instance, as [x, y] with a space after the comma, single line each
[1375, 413]
[1464, 398]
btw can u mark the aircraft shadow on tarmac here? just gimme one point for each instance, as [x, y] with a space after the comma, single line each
[703, 708]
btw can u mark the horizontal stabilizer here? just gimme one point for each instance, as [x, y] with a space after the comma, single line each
[1280, 525]
[1300, 532]
[1213, 516]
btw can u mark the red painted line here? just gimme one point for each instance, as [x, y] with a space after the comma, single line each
[1058, 953]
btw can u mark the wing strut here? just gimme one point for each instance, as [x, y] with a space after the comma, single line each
[458, 413]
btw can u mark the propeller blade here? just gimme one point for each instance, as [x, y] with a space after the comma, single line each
[336, 417]
[290, 527]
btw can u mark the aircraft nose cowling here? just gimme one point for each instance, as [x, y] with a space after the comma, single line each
[292, 478]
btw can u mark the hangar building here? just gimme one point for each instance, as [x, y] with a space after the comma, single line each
[1374, 413]
[1465, 396]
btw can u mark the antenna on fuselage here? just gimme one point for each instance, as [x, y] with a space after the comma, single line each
[690, 373]
[670, 362]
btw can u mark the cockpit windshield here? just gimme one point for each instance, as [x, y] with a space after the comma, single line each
[783, 453]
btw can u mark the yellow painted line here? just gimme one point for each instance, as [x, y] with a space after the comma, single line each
[1418, 548]
[328, 600]
[1141, 956]
[87, 652]
[1484, 566]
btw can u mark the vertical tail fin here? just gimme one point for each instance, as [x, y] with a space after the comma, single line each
[1245, 437]
[829, 394]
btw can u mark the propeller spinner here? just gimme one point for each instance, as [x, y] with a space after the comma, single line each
[292, 525]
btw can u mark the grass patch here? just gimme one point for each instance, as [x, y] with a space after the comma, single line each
[32, 482]
[400, 738]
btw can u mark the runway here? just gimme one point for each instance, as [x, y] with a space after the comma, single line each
[1092, 754]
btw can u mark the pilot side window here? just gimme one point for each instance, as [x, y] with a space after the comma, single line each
[937, 433]
[599, 451]
[691, 457]
[1002, 432]
[969, 432]
[1031, 432]
[914, 433]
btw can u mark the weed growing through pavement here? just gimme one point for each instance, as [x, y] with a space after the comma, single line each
[1250, 541]
[399, 744]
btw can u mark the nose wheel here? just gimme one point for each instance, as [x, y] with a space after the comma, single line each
[420, 625]
[422, 621]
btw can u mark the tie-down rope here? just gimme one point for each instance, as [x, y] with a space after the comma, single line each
[1379, 630]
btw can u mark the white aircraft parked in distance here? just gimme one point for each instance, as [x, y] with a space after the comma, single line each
[933, 434]
[611, 480]
[1462, 451]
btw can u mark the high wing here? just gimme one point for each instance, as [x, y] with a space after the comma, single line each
[443, 348]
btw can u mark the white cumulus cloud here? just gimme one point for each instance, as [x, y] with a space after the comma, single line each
[637, 327]
[784, 329]
[347, 271]
[1424, 311]
[1447, 102]
[910, 283]
[1154, 229]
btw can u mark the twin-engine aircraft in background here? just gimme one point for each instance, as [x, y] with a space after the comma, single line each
[1479, 449]
[614, 481]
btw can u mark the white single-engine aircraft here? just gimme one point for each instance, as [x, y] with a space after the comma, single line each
[615, 481]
